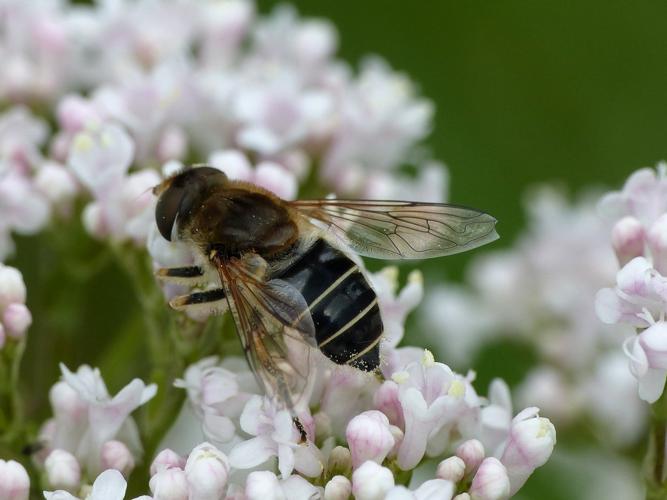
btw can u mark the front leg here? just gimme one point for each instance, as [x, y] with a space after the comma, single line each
[188, 276]
[211, 302]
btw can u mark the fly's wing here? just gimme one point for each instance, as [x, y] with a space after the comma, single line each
[401, 229]
[275, 327]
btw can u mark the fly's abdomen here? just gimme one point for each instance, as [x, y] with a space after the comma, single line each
[342, 304]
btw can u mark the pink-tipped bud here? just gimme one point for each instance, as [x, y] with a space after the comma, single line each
[657, 242]
[452, 469]
[529, 445]
[12, 287]
[14, 481]
[371, 481]
[369, 437]
[17, 319]
[116, 455]
[386, 400]
[627, 239]
[472, 454]
[263, 485]
[207, 470]
[63, 471]
[491, 481]
[167, 459]
[169, 484]
[338, 488]
[66, 402]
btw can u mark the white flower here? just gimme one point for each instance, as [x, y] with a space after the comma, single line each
[264, 485]
[648, 360]
[109, 485]
[275, 435]
[105, 418]
[529, 445]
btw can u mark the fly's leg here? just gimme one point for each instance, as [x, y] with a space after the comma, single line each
[189, 276]
[210, 301]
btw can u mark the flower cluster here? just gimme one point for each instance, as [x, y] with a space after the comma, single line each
[639, 299]
[537, 293]
[213, 76]
[90, 431]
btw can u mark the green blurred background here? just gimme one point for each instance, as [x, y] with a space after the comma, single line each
[525, 92]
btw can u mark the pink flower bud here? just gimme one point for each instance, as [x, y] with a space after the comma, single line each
[472, 453]
[17, 319]
[207, 470]
[167, 459]
[627, 239]
[12, 288]
[116, 455]
[169, 484]
[435, 489]
[263, 485]
[369, 437]
[14, 481]
[529, 445]
[66, 402]
[338, 488]
[63, 471]
[371, 481]
[452, 469]
[657, 242]
[490, 481]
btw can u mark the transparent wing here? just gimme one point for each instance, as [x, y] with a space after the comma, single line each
[401, 229]
[275, 328]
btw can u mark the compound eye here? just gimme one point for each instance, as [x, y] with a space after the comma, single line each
[167, 209]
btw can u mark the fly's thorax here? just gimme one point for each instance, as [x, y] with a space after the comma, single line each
[232, 220]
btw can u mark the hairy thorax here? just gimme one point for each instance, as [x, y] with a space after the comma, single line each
[235, 220]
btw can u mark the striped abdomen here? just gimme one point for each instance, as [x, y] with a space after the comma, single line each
[342, 304]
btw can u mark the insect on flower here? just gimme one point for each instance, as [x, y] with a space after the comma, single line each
[285, 271]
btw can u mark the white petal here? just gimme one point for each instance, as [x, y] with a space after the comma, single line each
[110, 485]
[252, 452]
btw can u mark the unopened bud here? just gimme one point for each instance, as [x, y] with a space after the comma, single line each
[338, 488]
[462, 496]
[369, 437]
[16, 319]
[263, 485]
[627, 239]
[167, 459]
[207, 470]
[340, 461]
[452, 469]
[491, 481]
[371, 481]
[116, 455]
[14, 481]
[169, 484]
[472, 454]
[12, 287]
[63, 471]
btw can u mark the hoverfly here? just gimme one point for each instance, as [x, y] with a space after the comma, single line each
[285, 269]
